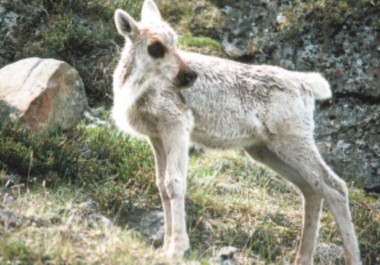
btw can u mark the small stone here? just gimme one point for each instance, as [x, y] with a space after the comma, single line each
[148, 223]
[10, 219]
[328, 253]
[226, 256]
[231, 49]
[8, 200]
[96, 220]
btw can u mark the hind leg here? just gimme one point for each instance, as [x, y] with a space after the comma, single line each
[312, 201]
[312, 205]
[301, 154]
[336, 195]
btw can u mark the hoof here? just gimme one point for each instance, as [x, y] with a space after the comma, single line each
[177, 251]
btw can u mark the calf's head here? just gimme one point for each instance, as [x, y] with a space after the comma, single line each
[153, 45]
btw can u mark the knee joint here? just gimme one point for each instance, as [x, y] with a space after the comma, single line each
[175, 188]
[336, 183]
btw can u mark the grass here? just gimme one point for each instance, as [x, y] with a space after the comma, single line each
[59, 230]
[244, 206]
[230, 201]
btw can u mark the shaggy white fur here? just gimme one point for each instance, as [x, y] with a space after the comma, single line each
[172, 97]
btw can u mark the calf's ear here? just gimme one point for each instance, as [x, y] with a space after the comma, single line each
[125, 24]
[150, 12]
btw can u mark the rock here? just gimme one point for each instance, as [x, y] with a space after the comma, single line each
[17, 22]
[231, 49]
[97, 220]
[92, 118]
[8, 200]
[46, 94]
[329, 253]
[226, 256]
[9, 219]
[149, 223]
[348, 136]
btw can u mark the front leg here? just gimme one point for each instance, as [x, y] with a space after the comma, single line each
[176, 145]
[160, 161]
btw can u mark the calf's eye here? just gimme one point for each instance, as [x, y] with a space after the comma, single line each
[156, 50]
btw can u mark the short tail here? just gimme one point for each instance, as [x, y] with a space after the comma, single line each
[318, 85]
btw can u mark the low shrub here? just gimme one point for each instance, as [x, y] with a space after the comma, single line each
[100, 158]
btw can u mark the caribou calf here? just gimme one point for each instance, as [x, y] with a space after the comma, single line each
[172, 97]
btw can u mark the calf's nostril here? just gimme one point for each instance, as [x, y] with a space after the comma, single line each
[186, 78]
[190, 77]
[193, 76]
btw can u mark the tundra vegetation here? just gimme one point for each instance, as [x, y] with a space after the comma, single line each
[52, 186]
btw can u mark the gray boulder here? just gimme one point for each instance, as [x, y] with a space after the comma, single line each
[45, 94]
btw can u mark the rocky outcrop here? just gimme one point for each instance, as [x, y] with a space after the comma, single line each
[46, 94]
[341, 40]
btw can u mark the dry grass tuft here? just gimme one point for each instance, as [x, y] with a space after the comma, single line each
[59, 228]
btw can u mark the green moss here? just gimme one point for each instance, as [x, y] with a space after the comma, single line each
[199, 42]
